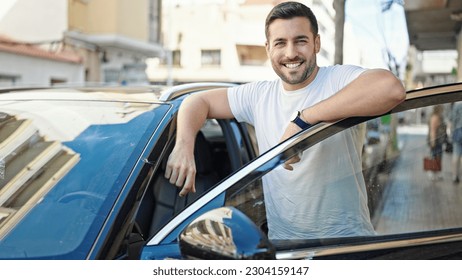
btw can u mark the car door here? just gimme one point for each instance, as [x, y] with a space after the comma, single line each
[221, 147]
[414, 216]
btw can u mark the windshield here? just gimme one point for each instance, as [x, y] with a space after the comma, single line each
[62, 165]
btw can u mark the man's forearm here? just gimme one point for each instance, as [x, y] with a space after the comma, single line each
[191, 117]
[181, 169]
[373, 93]
[196, 108]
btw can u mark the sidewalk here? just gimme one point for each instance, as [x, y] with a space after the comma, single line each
[413, 202]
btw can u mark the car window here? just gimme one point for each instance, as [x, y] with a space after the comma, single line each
[219, 150]
[401, 194]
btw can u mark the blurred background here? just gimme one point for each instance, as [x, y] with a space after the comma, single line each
[168, 42]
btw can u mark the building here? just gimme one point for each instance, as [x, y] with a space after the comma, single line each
[24, 64]
[113, 38]
[32, 58]
[435, 34]
[431, 67]
[224, 40]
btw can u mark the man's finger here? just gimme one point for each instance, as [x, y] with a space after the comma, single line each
[290, 161]
[187, 188]
[168, 172]
[288, 166]
[173, 176]
[180, 179]
[189, 184]
[293, 159]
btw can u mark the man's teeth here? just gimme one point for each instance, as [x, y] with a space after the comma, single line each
[292, 65]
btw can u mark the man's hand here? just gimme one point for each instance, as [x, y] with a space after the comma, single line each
[291, 130]
[290, 161]
[181, 169]
[193, 112]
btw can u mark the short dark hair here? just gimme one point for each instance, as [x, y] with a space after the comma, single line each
[289, 10]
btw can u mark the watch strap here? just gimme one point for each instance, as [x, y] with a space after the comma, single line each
[301, 123]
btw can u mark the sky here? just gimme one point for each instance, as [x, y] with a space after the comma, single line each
[5, 6]
[377, 31]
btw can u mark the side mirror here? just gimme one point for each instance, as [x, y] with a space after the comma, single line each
[225, 233]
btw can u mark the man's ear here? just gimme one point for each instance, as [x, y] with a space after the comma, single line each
[317, 43]
[267, 48]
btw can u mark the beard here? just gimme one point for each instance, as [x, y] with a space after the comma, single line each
[296, 77]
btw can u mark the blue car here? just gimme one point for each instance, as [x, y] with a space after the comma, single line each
[81, 177]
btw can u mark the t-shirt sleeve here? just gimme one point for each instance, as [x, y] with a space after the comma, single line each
[344, 75]
[242, 100]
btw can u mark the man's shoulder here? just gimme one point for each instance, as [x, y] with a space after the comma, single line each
[341, 67]
[340, 74]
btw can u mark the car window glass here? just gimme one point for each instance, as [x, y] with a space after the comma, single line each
[400, 194]
[217, 151]
[212, 165]
[253, 139]
[249, 200]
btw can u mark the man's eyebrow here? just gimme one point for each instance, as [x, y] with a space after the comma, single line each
[296, 38]
[279, 40]
[302, 37]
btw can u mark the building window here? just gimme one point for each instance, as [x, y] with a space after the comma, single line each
[211, 57]
[176, 58]
[55, 81]
[111, 75]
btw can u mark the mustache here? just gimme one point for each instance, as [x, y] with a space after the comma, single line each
[293, 60]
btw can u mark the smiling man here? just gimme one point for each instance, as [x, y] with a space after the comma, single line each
[304, 94]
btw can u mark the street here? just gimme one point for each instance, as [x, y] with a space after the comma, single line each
[412, 201]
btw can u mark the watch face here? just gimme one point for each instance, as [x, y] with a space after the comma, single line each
[294, 115]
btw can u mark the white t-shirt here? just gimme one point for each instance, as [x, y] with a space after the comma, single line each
[325, 194]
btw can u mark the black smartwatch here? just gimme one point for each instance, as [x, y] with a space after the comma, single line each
[295, 118]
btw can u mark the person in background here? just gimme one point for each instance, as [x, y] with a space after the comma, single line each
[456, 129]
[436, 138]
[303, 95]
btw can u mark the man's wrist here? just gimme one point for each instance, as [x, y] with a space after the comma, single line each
[306, 117]
[302, 116]
[296, 119]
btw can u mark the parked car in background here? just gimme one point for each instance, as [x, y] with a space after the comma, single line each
[82, 178]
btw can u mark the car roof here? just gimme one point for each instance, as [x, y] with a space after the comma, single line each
[108, 93]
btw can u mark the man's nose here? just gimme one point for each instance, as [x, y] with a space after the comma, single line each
[291, 51]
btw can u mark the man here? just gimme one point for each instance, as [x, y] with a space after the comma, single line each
[305, 94]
